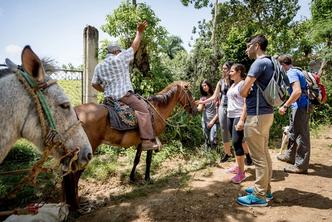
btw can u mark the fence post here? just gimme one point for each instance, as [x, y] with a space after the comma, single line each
[90, 36]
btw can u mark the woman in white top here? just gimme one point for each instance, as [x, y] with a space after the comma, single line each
[236, 115]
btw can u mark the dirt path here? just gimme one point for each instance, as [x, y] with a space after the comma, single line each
[208, 195]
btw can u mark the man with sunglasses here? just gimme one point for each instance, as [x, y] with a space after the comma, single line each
[259, 121]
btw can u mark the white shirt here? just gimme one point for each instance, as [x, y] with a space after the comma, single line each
[235, 100]
[113, 74]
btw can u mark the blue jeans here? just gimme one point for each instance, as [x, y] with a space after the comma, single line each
[210, 134]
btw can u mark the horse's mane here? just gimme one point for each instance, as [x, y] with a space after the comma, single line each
[164, 95]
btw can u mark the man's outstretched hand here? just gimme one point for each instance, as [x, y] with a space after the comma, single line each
[141, 26]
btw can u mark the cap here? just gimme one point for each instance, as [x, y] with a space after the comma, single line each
[114, 46]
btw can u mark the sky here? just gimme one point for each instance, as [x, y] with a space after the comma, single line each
[54, 29]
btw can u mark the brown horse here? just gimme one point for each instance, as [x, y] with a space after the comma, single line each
[95, 122]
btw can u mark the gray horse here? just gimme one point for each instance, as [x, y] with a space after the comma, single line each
[20, 116]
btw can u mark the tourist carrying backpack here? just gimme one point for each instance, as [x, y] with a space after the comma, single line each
[259, 121]
[298, 150]
[276, 91]
[316, 90]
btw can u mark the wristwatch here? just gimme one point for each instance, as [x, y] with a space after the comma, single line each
[285, 107]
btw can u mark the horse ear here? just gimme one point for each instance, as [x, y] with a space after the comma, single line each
[32, 64]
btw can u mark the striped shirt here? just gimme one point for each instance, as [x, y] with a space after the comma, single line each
[113, 74]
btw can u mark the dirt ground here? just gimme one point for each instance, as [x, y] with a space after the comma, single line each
[208, 194]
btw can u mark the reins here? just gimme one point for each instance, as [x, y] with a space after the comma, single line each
[165, 121]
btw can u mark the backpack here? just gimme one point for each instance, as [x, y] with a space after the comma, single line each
[276, 91]
[316, 90]
[321, 87]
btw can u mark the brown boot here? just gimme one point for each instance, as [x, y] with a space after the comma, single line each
[149, 145]
[283, 158]
[294, 169]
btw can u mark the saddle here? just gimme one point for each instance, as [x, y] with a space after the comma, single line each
[121, 116]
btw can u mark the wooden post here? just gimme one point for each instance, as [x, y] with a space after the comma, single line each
[90, 47]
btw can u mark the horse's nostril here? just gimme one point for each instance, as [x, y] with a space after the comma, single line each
[74, 167]
[89, 156]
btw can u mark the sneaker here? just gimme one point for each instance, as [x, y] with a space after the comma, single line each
[248, 160]
[239, 177]
[251, 200]
[234, 169]
[225, 158]
[250, 190]
[294, 169]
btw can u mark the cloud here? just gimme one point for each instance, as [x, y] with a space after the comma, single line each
[1, 12]
[13, 50]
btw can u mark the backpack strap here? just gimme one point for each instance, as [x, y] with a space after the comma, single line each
[259, 88]
[257, 102]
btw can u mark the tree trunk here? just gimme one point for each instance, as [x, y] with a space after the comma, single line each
[213, 37]
[141, 61]
[214, 62]
[322, 67]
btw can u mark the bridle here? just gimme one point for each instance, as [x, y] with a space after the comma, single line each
[52, 138]
[186, 94]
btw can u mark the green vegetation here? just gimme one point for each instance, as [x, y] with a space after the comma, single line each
[73, 89]
[22, 156]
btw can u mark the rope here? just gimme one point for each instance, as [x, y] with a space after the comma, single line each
[40, 98]
[52, 139]
[37, 103]
[154, 108]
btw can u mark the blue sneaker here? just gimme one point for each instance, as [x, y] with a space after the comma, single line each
[250, 190]
[251, 200]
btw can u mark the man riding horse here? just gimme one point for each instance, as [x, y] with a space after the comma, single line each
[112, 77]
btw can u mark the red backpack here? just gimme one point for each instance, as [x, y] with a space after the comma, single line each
[316, 90]
[321, 87]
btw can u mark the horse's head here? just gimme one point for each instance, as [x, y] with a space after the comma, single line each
[74, 150]
[186, 99]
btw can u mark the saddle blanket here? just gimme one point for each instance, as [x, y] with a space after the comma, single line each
[121, 116]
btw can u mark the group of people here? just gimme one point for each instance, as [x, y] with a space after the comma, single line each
[244, 115]
[245, 118]
[226, 105]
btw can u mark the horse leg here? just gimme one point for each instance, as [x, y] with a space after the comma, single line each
[148, 165]
[70, 189]
[136, 161]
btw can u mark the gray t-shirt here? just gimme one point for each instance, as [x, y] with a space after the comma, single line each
[209, 110]
[262, 70]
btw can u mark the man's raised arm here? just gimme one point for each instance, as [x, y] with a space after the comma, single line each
[140, 29]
